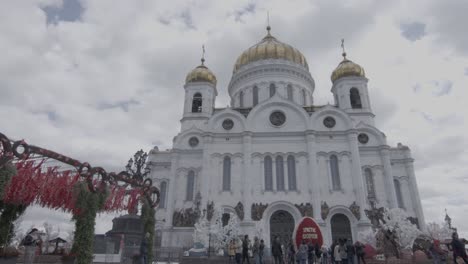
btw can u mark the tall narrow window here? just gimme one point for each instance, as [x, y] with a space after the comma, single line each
[255, 96]
[290, 92]
[335, 173]
[304, 97]
[227, 174]
[355, 98]
[272, 89]
[163, 191]
[292, 173]
[279, 174]
[190, 185]
[399, 195]
[197, 103]
[369, 183]
[267, 163]
[241, 99]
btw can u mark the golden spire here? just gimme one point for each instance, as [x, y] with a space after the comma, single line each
[342, 46]
[203, 56]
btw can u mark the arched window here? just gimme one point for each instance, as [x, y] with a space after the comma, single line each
[292, 173]
[241, 99]
[267, 163]
[369, 183]
[399, 195]
[290, 92]
[279, 174]
[163, 191]
[272, 89]
[304, 97]
[335, 173]
[355, 98]
[255, 96]
[227, 174]
[190, 185]
[197, 103]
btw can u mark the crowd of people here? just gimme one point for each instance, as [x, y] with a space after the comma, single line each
[342, 251]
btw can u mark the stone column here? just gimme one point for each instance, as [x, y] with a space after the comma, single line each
[356, 171]
[247, 188]
[203, 176]
[415, 192]
[313, 182]
[388, 177]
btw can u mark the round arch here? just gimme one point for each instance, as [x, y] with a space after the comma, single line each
[274, 207]
[342, 210]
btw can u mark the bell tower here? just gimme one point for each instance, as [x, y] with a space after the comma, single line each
[350, 90]
[200, 95]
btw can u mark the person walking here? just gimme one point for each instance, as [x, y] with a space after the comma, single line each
[245, 249]
[256, 250]
[261, 251]
[343, 251]
[350, 251]
[276, 251]
[144, 249]
[318, 253]
[337, 254]
[332, 251]
[360, 253]
[458, 248]
[310, 252]
[302, 254]
[232, 250]
[325, 254]
[238, 251]
[291, 253]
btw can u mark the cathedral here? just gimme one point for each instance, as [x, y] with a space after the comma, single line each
[273, 156]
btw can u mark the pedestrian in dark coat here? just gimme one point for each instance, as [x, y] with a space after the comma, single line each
[458, 248]
[144, 249]
[276, 251]
[245, 249]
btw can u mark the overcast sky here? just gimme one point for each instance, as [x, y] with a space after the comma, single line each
[100, 79]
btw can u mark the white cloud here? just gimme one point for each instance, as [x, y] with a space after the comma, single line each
[101, 87]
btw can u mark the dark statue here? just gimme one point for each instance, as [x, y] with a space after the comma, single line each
[356, 210]
[324, 210]
[375, 215]
[209, 210]
[305, 209]
[257, 211]
[239, 210]
[185, 218]
[387, 241]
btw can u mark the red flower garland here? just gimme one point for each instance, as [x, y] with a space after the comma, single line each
[53, 189]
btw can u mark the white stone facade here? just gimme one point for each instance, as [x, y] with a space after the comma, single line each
[302, 140]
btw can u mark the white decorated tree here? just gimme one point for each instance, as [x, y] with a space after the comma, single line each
[439, 231]
[213, 233]
[396, 220]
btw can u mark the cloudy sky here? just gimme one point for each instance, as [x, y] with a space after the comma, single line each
[100, 79]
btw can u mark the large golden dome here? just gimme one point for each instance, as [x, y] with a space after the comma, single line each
[201, 74]
[347, 68]
[270, 48]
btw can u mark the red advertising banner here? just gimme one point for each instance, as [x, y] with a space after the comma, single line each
[307, 230]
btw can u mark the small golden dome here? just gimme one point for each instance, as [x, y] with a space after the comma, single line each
[270, 48]
[347, 68]
[201, 74]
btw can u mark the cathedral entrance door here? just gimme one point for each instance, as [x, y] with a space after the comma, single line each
[341, 227]
[281, 225]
